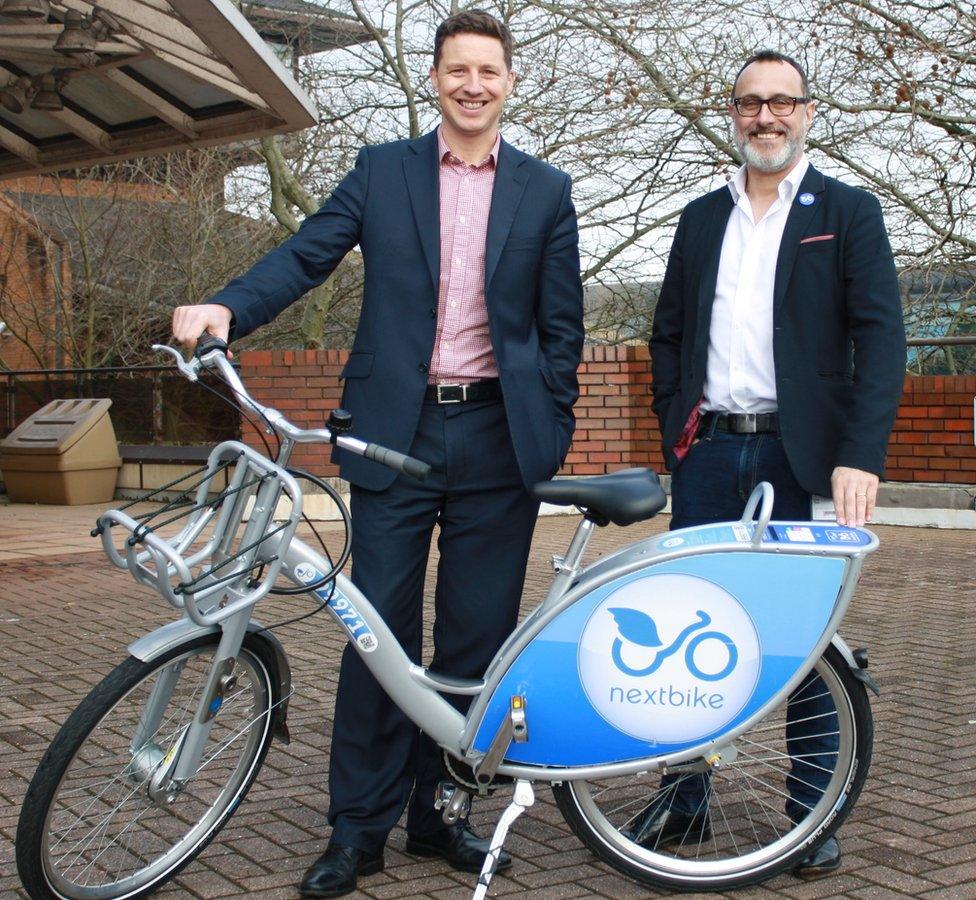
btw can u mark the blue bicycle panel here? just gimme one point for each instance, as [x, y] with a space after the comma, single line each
[670, 656]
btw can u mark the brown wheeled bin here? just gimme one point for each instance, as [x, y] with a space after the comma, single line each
[66, 453]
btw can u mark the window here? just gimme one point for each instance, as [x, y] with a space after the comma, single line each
[37, 258]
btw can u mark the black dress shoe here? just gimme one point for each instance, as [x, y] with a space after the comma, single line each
[459, 845]
[334, 873]
[659, 826]
[825, 859]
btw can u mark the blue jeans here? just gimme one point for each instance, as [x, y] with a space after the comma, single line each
[712, 484]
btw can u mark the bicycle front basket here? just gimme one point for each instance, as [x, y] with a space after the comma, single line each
[212, 551]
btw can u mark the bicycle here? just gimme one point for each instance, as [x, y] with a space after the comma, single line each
[154, 761]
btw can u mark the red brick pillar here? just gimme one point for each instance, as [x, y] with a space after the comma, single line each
[305, 386]
[615, 428]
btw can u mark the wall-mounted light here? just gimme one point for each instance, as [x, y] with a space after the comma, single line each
[82, 33]
[16, 95]
[78, 35]
[25, 9]
[42, 92]
[48, 92]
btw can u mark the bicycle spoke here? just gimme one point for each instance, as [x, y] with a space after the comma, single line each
[103, 827]
[751, 814]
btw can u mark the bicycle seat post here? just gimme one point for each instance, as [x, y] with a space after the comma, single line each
[567, 566]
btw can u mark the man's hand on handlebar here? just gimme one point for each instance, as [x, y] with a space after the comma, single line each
[189, 322]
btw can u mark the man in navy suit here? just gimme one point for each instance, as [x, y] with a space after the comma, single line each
[778, 354]
[465, 357]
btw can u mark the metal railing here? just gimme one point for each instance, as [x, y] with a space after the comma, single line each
[955, 341]
[151, 405]
[950, 355]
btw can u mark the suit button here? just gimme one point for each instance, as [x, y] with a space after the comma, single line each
[422, 367]
[433, 313]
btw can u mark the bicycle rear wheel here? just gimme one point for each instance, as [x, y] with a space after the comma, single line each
[754, 829]
[89, 829]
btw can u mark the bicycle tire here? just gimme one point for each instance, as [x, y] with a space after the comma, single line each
[601, 812]
[52, 815]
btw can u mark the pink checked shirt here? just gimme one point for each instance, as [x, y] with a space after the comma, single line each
[462, 344]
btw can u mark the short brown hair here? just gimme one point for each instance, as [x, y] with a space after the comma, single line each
[774, 56]
[473, 21]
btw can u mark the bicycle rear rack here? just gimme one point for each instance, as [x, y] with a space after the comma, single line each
[222, 559]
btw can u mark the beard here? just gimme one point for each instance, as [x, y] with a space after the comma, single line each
[766, 162]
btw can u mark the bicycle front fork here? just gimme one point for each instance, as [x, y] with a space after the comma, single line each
[165, 770]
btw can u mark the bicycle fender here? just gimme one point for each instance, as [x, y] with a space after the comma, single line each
[861, 674]
[172, 634]
[163, 639]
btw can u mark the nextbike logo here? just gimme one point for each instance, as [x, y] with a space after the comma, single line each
[669, 658]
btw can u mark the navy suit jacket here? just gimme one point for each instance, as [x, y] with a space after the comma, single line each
[389, 205]
[838, 331]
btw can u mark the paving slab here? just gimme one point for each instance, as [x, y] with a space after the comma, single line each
[66, 616]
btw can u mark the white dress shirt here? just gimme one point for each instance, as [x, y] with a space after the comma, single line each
[740, 376]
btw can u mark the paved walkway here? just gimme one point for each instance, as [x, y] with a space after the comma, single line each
[66, 616]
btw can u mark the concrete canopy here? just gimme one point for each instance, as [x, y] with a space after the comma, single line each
[156, 76]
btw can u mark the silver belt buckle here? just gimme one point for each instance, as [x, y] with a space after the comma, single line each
[745, 423]
[464, 393]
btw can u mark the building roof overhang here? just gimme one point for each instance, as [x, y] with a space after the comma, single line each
[162, 75]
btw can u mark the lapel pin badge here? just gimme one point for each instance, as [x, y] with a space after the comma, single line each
[806, 199]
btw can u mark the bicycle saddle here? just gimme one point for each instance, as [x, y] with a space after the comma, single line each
[623, 498]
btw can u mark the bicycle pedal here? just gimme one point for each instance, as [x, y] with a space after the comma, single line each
[453, 801]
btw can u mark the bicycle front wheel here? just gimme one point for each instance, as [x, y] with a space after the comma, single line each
[778, 792]
[90, 828]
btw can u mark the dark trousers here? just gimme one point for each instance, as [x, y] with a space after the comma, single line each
[712, 484]
[380, 761]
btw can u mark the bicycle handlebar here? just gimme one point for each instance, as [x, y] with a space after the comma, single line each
[211, 353]
[398, 461]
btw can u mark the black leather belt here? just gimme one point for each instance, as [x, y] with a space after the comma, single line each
[489, 389]
[741, 423]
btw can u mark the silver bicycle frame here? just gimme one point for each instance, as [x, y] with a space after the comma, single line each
[411, 687]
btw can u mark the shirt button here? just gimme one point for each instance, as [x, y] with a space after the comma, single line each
[462, 220]
[447, 344]
[454, 303]
[422, 367]
[457, 262]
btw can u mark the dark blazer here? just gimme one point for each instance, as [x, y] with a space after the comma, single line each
[389, 205]
[838, 332]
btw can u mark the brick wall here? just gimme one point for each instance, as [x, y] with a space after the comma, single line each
[27, 290]
[615, 428]
[304, 385]
[933, 435]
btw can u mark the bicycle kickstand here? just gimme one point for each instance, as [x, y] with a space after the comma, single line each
[522, 799]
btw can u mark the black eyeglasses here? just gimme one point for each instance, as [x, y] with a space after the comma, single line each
[748, 107]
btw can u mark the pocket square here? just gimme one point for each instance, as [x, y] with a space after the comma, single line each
[818, 237]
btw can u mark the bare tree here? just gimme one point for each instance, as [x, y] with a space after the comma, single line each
[102, 256]
[630, 97]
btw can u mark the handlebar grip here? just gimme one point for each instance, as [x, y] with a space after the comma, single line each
[207, 342]
[399, 461]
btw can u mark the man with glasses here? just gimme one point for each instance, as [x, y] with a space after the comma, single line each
[778, 354]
